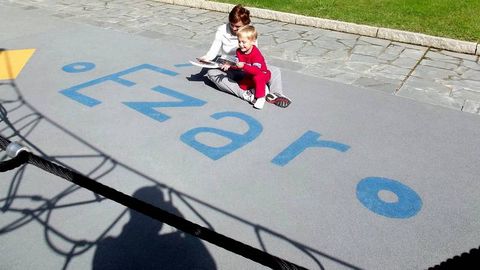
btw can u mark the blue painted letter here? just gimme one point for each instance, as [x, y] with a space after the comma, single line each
[408, 202]
[309, 139]
[148, 108]
[237, 140]
[73, 92]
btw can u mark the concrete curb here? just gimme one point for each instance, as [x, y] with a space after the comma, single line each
[352, 28]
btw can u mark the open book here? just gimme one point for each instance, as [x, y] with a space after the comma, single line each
[215, 63]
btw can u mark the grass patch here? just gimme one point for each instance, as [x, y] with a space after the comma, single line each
[445, 18]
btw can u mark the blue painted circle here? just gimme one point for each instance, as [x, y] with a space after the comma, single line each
[407, 205]
[78, 67]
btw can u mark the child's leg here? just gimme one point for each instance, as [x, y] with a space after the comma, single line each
[260, 80]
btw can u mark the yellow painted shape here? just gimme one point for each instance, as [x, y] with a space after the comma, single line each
[12, 62]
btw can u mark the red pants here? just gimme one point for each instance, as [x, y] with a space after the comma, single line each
[257, 81]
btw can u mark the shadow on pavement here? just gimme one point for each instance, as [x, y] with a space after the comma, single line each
[140, 246]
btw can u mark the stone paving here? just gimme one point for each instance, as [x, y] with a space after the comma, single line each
[434, 76]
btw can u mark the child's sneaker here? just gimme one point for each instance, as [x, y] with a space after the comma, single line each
[278, 99]
[259, 103]
[248, 96]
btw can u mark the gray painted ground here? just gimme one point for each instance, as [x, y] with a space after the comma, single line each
[309, 211]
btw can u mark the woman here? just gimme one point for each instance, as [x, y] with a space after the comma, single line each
[225, 45]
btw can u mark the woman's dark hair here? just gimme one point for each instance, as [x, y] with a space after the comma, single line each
[239, 14]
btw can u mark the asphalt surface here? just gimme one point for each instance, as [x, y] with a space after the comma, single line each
[346, 177]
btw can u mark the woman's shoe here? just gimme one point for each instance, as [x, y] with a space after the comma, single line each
[278, 99]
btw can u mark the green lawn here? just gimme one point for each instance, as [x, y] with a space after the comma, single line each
[457, 19]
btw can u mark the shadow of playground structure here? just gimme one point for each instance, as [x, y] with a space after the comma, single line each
[139, 246]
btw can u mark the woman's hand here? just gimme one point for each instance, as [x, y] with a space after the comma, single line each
[225, 67]
[203, 59]
[240, 65]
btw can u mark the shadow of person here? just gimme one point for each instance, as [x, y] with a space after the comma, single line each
[201, 77]
[141, 246]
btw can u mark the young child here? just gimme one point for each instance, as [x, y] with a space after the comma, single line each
[252, 63]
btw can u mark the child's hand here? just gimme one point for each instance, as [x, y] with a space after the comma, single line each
[240, 65]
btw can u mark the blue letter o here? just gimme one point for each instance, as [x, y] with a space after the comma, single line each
[407, 205]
